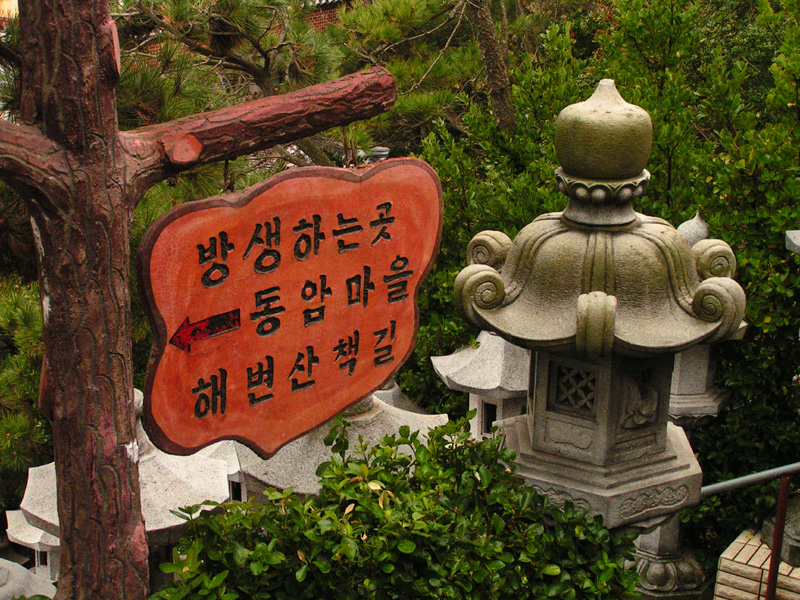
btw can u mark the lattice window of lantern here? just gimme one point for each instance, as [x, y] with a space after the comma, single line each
[572, 390]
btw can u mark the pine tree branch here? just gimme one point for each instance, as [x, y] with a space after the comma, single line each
[144, 42]
[382, 50]
[457, 8]
[159, 151]
[231, 60]
[313, 151]
[368, 57]
[287, 156]
[255, 43]
[441, 52]
[9, 55]
[268, 28]
[30, 159]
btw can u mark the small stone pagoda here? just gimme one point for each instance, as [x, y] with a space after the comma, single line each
[604, 297]
[495, 373]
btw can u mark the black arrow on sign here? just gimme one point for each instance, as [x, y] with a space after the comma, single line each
[188, 333]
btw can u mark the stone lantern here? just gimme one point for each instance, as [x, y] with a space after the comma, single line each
[604, 297]
[695, 398]
[167, 483]
[495, 374]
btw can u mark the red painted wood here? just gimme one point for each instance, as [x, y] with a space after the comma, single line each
[81, 179]
[304, 310]
[777, 537]
[159, 150]
[189, 333]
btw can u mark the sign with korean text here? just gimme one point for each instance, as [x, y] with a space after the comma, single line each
[277, 307]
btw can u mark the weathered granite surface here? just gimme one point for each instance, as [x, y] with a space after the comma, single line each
[667, 569]
[599, 277]
[790, 550]
[604, 297]
[167, 483]
[694, 229]
[495, 373]
[23, 533]
[625, 493]
[493, 369]
[16, 580]
[295, 465]
[793, 241]
[391, 394]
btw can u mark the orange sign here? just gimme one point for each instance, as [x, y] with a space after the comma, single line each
[277, 307]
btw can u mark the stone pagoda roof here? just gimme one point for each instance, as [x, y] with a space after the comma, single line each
[599, 277]
[494, 369]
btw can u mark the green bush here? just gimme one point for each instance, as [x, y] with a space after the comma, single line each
[403, 519]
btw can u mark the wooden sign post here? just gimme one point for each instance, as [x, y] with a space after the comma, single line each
[81, 178]
[278, 307]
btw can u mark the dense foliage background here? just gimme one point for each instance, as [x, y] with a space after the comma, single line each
[719, 78]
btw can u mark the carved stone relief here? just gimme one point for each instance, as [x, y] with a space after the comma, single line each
[669, 574]
[659, 497]
[570, 435]
[640, 405]
[641, 442]
[559, 498]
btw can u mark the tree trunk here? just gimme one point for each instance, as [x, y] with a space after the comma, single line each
[495, 61]
[81, 180]
[88, 385]
[81, 224]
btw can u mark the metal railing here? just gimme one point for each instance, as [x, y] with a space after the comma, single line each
[785, 473]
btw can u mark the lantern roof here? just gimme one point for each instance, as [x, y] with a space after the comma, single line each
[600, 277]
[493, 368]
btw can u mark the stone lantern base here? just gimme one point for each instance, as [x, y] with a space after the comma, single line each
[626, 493]
[667, 569]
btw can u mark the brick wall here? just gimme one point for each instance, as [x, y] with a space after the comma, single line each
[743, 570]
[322, 16]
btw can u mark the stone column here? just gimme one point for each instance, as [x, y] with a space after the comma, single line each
[666, 568]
